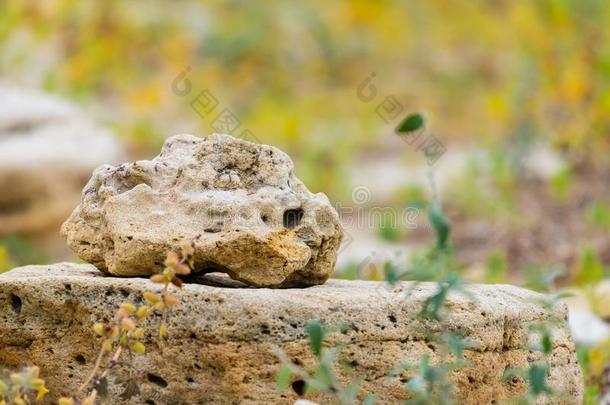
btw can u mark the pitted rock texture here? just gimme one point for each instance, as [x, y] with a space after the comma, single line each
[48, 149]
[220, 348]
[237, 202]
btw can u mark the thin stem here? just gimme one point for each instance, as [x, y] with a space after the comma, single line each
[98, 362]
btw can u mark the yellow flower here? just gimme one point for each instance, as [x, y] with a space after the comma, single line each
[151, 297]
[137, 347]
[142, 312]
[98, 328]
[42, 391]
[128, 307]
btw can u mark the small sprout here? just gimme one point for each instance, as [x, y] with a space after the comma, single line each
[128, 324]
[137, 334]
[188, 249]
[41, 391]
[163, 331]
[137, 347]
[37, 382]
[125, 333]
[182, 269]
[170, 300]
[99, 329]
[128, 307]
[65, 401]
[151, 297]
[16, 379]
[142, 312]
[107, 346]
[123, 340]
[121, 313]
[172, 259]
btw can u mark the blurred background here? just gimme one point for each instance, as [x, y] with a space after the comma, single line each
[516, 97]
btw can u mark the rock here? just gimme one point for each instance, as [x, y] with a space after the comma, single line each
[221, 338]
[47, 153]
[238, 203]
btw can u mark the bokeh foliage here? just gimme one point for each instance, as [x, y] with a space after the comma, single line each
[489, 70]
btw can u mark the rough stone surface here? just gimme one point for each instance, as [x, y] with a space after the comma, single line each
[221, 338]
[47, 152]
[238, 202]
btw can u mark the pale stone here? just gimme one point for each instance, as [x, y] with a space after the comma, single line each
[221, 343]
[47, 152]
[238, 203]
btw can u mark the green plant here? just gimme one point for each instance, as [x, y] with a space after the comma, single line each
[496, 268]
[6, 263]
[124, 333]
[430, 384]
[590, 269]
[561, 183]
[22, 387]
[388, 231]
[321, 377]
[598, 214]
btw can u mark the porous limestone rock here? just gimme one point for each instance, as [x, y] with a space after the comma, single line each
[48, 150]
[237, 202]
[221, 344]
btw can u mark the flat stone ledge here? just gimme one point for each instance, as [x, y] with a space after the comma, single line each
[221, 338]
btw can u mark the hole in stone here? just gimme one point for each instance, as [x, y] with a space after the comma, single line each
[150, 402]
[80, 359]
[16, 303]
[68, 287]
[189, 380]
[264, 218]
[155, 379]
[392, 318]
[299, 387]
[292, 218]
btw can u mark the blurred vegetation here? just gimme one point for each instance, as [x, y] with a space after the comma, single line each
[501, 71]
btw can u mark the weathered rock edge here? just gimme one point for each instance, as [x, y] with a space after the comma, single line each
[238, 203]
[221, 338]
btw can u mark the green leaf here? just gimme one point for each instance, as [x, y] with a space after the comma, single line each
[547, 344]
[456, 344]
[350, 392]
[441, 225]
[282, 378]
[590, 267]
[537, 379]
[412, 122]
[390, 274]
[315, 331]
